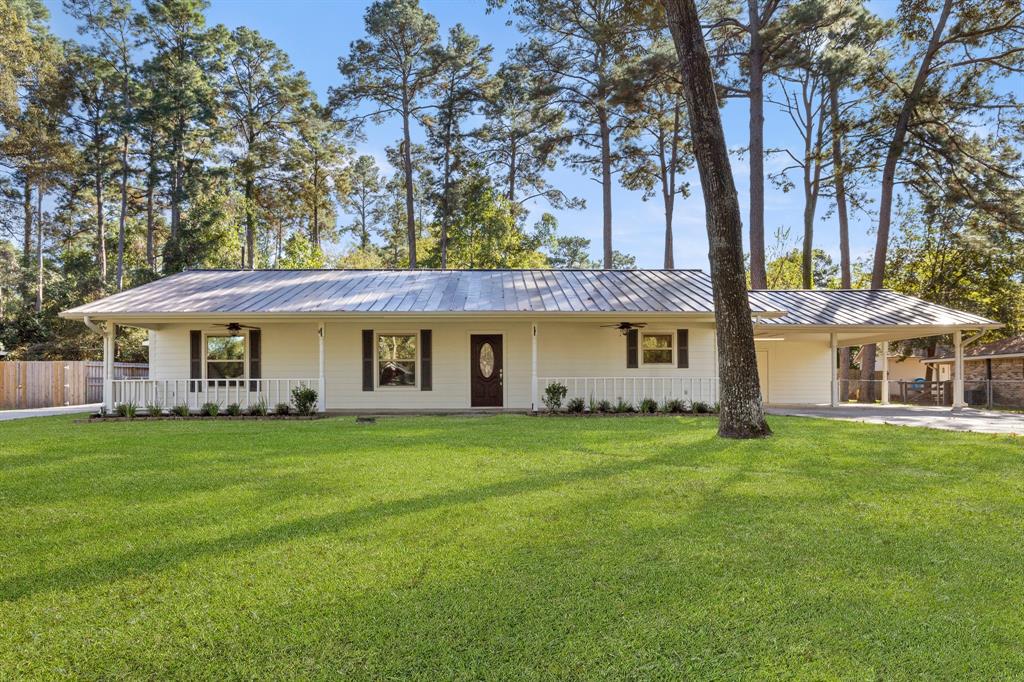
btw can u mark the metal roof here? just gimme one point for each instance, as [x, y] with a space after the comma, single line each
[1012, 347]
[414, 291]
[254, 292]
[857, 307]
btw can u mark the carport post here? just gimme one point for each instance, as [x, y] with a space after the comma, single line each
[533, 366]
[885, 372]
[322, 389]
[834, 344]
[958, 369]
[108, 367]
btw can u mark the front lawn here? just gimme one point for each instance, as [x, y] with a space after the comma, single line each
[506, 547]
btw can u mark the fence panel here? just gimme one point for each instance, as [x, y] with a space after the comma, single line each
[46, 383]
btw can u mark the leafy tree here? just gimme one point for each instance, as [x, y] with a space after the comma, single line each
[316, 162]
[209, 236]
[573, 253]
[364, 199]
[300, 252]
[395, 68]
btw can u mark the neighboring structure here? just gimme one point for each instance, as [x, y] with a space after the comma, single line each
[459, 339]
[900, 367]
[993, 372]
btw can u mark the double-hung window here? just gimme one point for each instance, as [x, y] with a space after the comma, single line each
[225, 357]
[396, 360]
[656, 348]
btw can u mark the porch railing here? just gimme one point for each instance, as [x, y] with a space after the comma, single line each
[635, 389]
[168, 393]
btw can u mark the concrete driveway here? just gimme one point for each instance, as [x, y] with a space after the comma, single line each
[7, 415]
[966, 419]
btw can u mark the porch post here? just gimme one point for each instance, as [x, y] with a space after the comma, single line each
[834, 345]
[108, 366]
[533, 366]
[321, 405]
[885, 372]
[958, 369]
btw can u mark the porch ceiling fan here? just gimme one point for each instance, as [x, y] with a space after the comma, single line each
[235, 327]
[626, 326]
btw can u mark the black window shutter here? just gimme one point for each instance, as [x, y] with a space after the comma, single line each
[632, 348]
[367, 359]
[255, 358]
[683, 348]
[195, 358]
[426, 360]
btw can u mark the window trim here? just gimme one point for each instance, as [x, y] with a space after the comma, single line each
[415, 386]
[672, 348]
[206, 359]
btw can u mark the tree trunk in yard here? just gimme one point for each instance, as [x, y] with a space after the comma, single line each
[250, 226]
[410, 209]
[606, 186]
[39, 249]
[101, 235]
[758, 273]
[845, 273]
[742, 414]
[123, 214]
[26, 254]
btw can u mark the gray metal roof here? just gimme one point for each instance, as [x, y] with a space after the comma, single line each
[414, 291]
[499, 291]
[859, 307]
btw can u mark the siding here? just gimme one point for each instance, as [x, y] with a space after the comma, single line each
[798, 372]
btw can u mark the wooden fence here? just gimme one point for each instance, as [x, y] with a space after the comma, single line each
[53, 383]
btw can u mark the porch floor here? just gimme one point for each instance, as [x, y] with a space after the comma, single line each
[966, 419]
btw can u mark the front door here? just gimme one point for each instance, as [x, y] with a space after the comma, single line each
[486, 370]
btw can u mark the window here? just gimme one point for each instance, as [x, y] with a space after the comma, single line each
[396, 360]
[225, 357]
[657, 349]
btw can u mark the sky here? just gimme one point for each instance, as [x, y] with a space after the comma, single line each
[315, 33]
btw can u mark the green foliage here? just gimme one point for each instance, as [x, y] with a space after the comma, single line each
[674, 406]
[180, 410]
[282, 409]
[259, 408]
[648, 406]
[233, 410]
[554, 394]
[623, 406]
[300, 252]
[127, 410]
[154, 410]
[701, 407]
[210, 409]
[603, 406]
[575, 405]
[304, 398]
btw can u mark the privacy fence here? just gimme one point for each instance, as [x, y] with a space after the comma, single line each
[47, 383]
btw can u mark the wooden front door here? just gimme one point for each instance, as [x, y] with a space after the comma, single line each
[486, 370]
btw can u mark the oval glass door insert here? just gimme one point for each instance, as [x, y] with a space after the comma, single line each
[486, 361]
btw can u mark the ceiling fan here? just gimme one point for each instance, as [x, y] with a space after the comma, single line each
[235, 327]
[626, 326]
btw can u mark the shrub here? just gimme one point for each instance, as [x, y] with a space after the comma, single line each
[180, 410]
[210, 409]
[604, 406]
[282, 409]
[701, 407]
[674, 406]
[576, 405]
[304, 398]
[259, 408]
[127, 410]
[622, 407]
[233, 410]
[716, 408]
[154, 410]
[648, 405]
[554, 394]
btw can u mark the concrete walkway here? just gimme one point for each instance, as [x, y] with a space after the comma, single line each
[967, 419]
[7, 415]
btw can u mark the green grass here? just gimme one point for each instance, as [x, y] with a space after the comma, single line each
[508, 547]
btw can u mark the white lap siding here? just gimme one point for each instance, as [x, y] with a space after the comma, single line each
[798, 371]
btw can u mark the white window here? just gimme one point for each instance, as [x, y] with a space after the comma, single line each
[656, 349]
[396, 360]
[225, 357]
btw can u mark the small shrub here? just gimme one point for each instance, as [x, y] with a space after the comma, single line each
[576, 405]
[623, 407]
[127, 410]
[716, 408]
[180, 410]
[604, 406]
[259, 408]
[674, 406]
[648, 405]
[210, 409]
[233, 410]
[554, 394]
[282, 409]
[304, 398]
[154, 410]
[701, 407]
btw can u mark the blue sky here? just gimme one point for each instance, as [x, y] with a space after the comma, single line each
[316, 32]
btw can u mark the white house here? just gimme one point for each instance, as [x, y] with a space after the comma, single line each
[483, 339]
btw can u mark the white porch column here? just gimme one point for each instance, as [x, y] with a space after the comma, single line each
[108, 366]
[834, 345]
[885, 372]
[958, 369]
[533, 366]
[321, 402]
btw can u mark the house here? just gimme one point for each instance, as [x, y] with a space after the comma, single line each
[898, 366]
[466, 339]
[993, 372]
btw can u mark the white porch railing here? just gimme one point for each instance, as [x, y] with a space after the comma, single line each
[168, 393]
[635, 389]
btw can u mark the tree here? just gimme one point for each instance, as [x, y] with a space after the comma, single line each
[575, 46]
[317, 163]
[394, 68]
[364, 199]
[573, 253]
[262, 95]
[742, 415]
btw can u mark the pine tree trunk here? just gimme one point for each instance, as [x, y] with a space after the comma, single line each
[26, 254]
[250, 225]
[512, 167]
[758, 274]
[845, 273]
[410, 209]
[742, 414]
[606, 186]
[39, 249]
[123, 214]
